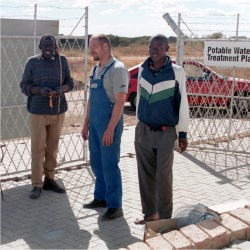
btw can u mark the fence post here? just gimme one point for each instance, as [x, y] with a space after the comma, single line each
[237, 26]
[34, 28]
[232, 99]
[85, 77]
[180, 44]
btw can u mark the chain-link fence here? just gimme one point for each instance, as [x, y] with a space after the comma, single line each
[19, 42]
[15, 131]
[218, 137]
[219, 99]
[219, 112]
[17, 45]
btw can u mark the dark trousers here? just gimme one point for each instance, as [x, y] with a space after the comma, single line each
[155, 154]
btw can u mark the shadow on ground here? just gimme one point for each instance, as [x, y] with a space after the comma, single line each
[234, 173]
[116, 234]
[45, 223]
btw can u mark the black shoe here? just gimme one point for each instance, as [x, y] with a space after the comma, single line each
[35, 192]
[112, 213]
[95, 204]
[50, 184]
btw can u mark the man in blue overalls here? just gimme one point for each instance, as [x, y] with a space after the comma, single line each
[103, 126]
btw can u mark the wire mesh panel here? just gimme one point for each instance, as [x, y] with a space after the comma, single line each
[219, 99]
[15, 133]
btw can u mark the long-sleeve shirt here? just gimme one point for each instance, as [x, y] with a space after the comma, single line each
[40, 72]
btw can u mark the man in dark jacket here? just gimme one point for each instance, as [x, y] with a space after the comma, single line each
[46, 78]
[162, 108]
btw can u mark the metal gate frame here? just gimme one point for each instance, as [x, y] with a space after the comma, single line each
[222, 135]
[15, 151]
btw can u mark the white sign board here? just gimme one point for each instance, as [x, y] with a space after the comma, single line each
[227, 53]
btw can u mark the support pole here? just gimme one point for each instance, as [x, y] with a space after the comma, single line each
[85, 80]
[34, 28]
[237, 26]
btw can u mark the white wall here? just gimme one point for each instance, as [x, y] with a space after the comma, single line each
[22, 27]
[17, 46]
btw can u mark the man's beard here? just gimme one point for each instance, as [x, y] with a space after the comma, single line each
[96, 58]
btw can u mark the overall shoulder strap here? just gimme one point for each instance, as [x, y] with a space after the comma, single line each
[93, 72]
[107, 69]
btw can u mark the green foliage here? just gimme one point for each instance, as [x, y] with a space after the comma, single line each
[127, 41]
[239, 37]
[194, 44]
[216, 35]
[172, 39]
[115, 41]
[130, 41]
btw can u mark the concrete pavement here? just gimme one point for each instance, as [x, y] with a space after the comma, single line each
[58, 221]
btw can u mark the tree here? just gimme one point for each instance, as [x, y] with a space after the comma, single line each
[216, 35]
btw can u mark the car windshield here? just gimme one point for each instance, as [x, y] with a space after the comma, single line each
[216, 73]
[198, 70]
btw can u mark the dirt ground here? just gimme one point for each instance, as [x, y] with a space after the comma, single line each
[129, 116]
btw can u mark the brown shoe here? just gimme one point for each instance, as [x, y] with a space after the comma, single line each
[50, 184]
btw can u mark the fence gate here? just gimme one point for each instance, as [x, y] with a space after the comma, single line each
[15, 133]
[219, 134]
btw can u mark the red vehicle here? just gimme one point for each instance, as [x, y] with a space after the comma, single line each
[205, 87]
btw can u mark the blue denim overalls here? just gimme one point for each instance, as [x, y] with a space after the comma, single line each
[104, 160]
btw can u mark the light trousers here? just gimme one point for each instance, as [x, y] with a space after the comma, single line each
[45, 134]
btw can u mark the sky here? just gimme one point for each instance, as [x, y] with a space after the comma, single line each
[132, 18]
